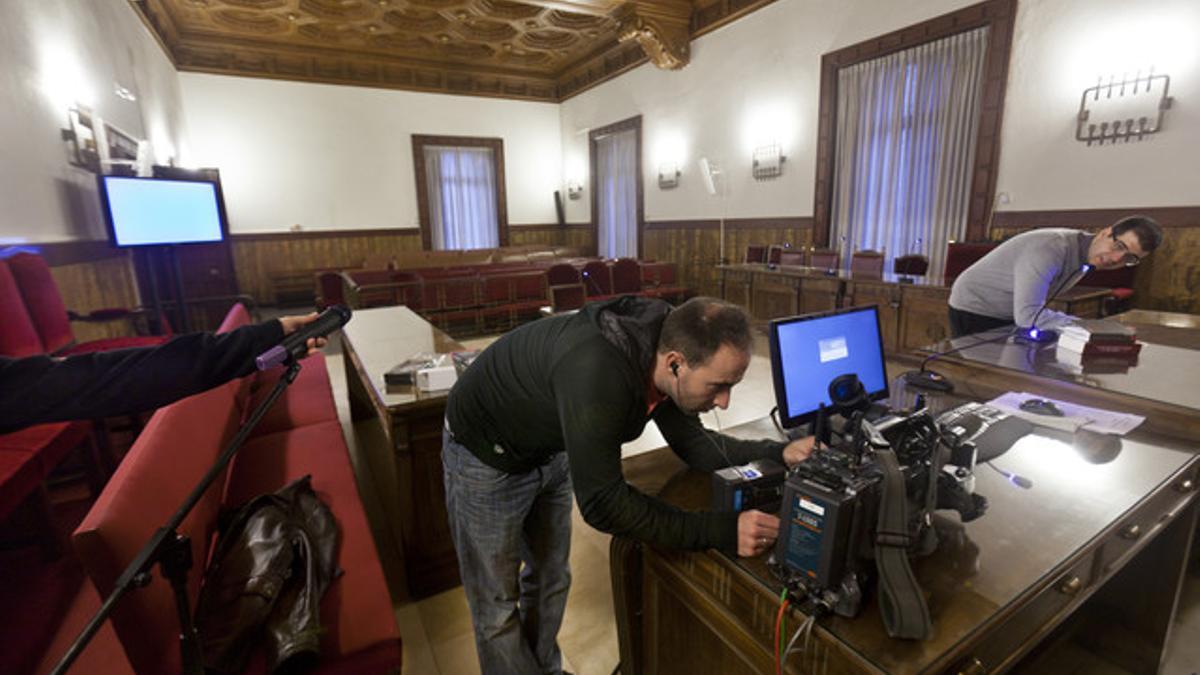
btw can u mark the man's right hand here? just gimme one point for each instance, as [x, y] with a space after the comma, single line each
[757, 531]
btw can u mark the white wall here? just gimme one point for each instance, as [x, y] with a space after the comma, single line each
[54, 53]
[330, 157]
[1061, 47]
[757, 80]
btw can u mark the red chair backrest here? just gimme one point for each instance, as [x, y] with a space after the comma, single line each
[867, 262]
[913, 264]
[756, 254]
[329, 289]
[1122, 277]
[825, 259]
[626, 276]
[18, 336]
[176, 448]
[562, 273]
[961, 255]
[773, 254]
[42, 300]
[791, 258]
[597, 278]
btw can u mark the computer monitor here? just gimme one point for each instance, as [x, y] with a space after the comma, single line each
[157, 211]
[807, 352]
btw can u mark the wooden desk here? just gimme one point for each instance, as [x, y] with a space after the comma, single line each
[912, 311]
[403, 447]
[1166, 328]
[1161, 384]
[1091, 555]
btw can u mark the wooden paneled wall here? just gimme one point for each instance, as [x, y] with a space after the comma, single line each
[581, 236]
[695, 245]
[257, 256]
[1169, 280]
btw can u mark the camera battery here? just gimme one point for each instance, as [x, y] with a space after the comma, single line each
[814, 531]
[757, 485]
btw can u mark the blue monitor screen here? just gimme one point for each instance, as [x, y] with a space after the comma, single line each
[807, 352]
[149, 211]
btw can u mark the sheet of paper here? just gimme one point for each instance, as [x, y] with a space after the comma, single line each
[1074, 416]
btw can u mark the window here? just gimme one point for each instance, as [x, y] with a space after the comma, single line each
[460, 192]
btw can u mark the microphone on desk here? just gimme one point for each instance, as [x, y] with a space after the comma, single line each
[295, 345]
[923, 378]
[593, 283]
[1033, 334]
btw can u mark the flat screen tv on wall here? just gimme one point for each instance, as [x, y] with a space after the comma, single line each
[158, 211]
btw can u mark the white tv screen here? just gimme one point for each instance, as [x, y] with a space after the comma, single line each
[155, 211]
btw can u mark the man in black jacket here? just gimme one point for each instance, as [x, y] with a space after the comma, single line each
[43, 388]
[545, 409]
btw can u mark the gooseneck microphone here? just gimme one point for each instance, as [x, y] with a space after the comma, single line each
[928, 379]
[295, 345]
[1033, 333]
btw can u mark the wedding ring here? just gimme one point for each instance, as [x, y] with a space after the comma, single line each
[762, 541]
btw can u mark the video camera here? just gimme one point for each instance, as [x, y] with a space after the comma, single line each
[853, 514]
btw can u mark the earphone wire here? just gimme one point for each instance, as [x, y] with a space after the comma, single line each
[707, 434]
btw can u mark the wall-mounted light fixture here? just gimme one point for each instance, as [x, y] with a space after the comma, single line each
[768, 162]
[1123, 109]
[574, 189]
[668, 175]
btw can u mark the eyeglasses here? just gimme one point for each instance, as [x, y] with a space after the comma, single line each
[1128, 259]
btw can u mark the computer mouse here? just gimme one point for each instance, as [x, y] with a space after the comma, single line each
[1040, 406]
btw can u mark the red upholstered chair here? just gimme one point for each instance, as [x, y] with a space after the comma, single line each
[961, 255]
[626, 276]
[51, 318]
[329, 289]
[1120, 283]
[18, 335]
[912, 265]
[774, 253]
[755, 253]
[597, 280]
[867, 263]
[826, 259]
[792, 258]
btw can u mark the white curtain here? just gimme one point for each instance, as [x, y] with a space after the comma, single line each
[905, 146]
[616, 194]
[462, 197]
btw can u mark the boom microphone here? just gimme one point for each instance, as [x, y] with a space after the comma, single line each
[295, 345]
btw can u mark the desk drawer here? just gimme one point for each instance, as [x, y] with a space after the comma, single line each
[1144, 521]
[1010, 638]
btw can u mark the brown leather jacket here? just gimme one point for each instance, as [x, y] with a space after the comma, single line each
[272, 564]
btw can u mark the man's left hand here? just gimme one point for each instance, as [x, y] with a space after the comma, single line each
[798, 450]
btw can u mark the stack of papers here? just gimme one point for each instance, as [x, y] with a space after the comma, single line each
[1074, 416]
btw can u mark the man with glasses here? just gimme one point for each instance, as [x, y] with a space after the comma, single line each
[1014, 280]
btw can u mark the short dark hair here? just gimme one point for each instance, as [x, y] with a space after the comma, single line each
[1148, 231]
[699, 327]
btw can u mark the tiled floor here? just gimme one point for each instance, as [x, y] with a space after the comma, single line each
[437, 631]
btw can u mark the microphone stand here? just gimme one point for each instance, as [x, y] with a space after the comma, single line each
[1033, 334]
[173, 552]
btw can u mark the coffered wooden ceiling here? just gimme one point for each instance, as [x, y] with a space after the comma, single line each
[546, 50]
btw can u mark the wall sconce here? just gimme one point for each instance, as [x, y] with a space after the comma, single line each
[668, 175]
[768, 162]
[1126, 107]
[574, 189]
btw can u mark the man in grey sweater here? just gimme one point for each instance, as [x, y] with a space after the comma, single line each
[1014, 280]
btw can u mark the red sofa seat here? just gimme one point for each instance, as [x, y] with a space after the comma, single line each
[178, 445]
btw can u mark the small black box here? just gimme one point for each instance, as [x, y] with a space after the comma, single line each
[757, 485]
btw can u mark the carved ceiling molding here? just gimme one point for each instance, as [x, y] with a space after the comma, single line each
[543, 50]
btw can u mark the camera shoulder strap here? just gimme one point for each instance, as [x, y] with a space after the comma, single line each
[901, 604]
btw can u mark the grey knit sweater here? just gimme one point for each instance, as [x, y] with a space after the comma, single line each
[1014, 279]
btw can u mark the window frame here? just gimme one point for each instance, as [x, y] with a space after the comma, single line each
[419, 141]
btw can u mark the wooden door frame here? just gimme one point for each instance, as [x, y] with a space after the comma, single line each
[634, 123]
[420, 141]
[999, 16]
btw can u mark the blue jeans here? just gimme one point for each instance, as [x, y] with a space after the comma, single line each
[512, 533]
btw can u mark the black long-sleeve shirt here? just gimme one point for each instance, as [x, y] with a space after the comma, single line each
[578, 384]
[40, 389]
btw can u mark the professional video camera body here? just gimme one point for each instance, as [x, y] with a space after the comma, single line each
[853, 513]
